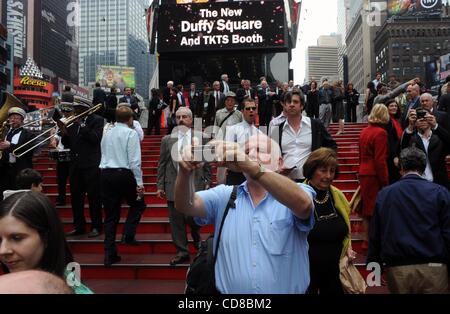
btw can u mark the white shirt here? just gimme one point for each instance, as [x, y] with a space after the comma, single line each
[180, 98]
[296, 147]
[136, 126]
[428, 174]
[226, 88]
[14, 141]
[276, 122]
[241, 132]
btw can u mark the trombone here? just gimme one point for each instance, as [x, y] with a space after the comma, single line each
[53, 130]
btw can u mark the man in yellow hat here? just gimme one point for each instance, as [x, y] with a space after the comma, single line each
[16, 136]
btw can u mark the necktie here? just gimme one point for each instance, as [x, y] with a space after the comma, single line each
[248, 93]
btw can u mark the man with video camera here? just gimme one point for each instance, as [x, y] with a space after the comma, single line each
[432, 138]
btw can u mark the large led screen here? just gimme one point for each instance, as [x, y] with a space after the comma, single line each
[216, 26]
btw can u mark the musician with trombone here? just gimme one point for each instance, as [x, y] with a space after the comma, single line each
[83, 136]
[13, 135]
[61, 155]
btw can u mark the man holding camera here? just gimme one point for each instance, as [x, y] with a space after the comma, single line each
[168, 166]
[263, 247]
[426, 134]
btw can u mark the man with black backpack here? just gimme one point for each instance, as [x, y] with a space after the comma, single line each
[261, 237]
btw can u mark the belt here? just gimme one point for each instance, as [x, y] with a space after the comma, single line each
[299, 180]
[114, 169]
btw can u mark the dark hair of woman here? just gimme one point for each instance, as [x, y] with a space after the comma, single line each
[37, 212]
[322, 157]
[399, 110]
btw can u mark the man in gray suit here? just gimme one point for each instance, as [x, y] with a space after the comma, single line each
[171, 147]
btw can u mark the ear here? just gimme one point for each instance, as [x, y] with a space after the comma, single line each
[280, 163]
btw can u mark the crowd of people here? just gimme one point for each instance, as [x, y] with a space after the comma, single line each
[290, 226]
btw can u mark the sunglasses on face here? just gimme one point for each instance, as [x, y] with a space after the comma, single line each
[250, 108]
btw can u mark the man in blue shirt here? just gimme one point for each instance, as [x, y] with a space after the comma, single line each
[263, 247]
[121, 177]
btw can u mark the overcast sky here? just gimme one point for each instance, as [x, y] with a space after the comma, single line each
[321, 19]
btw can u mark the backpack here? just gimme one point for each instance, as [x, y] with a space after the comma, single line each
[200, 277]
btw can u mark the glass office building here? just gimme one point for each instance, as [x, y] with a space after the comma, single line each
[113, 32]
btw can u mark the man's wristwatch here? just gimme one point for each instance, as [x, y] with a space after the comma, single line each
[260, 173]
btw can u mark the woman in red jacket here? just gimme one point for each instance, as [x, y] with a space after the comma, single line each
[373, 170]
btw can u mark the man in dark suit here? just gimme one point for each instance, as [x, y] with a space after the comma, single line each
[132, 100]
[99, 95]
[167, 174]
[167, 92]
[194, 101]
[444, 101]
[180, 96]
[208, 104]
[16, 136]
[83, 139]
[442, 118]
[413, 94]
[245, 92]
[224, 87]
[432, 138]
[219, 97]
[265, 104]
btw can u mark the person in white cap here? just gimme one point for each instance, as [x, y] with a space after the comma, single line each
[83, 139]
[10, 166]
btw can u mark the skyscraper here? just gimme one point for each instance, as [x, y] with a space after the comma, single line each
[322, 60]
[113, 32]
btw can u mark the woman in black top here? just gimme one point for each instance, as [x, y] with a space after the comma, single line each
[313, 101]
[330, 239]
[352, 98]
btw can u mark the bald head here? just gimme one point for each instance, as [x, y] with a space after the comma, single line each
[413, 91]
[33, 282]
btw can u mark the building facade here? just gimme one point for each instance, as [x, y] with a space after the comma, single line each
[45, 31]
[113, 32]
[6, 60]
[403, 46]
[360, 47]
[322, 60]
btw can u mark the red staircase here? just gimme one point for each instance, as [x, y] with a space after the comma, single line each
[145, 268]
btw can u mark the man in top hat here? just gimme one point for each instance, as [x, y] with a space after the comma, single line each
[83, 138]
[16, 136]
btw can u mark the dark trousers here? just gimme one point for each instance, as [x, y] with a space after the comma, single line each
[8, 173]
[116, 185]
[82, 182]
[62, 173]
[154, 123]
[235, 178]
[325, 280]
[264, 118]
[178, 223]
[334, 113]
[351, 112]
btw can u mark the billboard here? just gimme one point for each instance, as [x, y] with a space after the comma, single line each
[16, 22]
[116, 76]
[437, 71]
[220, 25]
[414, 7]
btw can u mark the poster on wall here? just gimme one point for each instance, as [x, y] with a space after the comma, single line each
[418, 8]
[222, 25]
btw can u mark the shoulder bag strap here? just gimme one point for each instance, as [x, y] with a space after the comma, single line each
[229, 115]
[229, 205]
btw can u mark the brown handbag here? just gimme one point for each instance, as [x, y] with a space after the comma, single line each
[351, 280]
[356, 202]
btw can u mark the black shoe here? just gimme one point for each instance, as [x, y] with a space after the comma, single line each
[94, 233]
[109, 260]
[179, 259]
[75, 232]
[129, 240]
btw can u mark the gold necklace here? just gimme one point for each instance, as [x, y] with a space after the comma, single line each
[325, 199]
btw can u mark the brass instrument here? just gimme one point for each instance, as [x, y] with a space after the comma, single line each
[3, 131]
[53, 130]
[10, 102]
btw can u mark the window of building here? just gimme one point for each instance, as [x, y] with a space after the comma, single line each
[415, 59]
